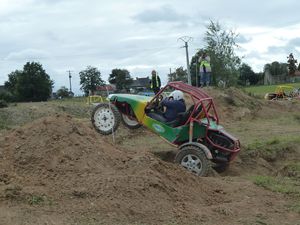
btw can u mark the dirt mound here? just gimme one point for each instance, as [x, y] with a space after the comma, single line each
[234, 104]
[58, 170]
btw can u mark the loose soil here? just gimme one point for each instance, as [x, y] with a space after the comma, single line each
[58, 170]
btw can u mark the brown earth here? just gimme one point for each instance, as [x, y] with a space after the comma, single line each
[58, 170]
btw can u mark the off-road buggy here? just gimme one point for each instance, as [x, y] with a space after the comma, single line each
[196, 132]
[284, 92]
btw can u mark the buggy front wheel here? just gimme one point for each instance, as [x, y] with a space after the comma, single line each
[194, 160]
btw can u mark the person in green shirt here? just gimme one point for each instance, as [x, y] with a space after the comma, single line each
[155, 82]
[205, 70]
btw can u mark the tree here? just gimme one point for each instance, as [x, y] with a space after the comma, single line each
[34, 83]
[179, 75]
[276, 68]
[10, 85]
[292, 64]
[63, 92]
[247, 75]
[220, 46]
[121, 78]
[90, 78]
[30, 84]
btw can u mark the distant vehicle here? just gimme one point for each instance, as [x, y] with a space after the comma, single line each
[197, 132]
[284, 92]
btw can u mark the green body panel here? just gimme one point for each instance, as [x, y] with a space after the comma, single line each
[138, 103]
[178, 134]
[171, 134]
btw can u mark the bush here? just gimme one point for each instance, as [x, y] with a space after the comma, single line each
[3, 103]
[7, 96]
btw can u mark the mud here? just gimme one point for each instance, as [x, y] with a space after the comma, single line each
[58, 170]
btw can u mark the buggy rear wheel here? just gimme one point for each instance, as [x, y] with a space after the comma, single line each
[105, 118]
[194, 160]
[130, 120]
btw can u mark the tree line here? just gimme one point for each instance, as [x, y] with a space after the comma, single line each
[34, 84]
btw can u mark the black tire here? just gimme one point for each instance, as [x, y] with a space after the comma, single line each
[194, 160]
[130, 121]
[270, 96]
[105, 118]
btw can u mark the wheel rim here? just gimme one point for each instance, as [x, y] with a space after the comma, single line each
[104, 119]
[192, 163]
[129, 120]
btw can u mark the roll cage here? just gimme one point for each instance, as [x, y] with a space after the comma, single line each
[203, 104]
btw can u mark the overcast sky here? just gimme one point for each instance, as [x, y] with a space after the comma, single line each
[138, 35]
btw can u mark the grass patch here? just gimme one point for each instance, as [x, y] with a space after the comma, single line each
[295, 207]
[39, 200]
[3, 120]
[297, 117]
[278, 184]
[292, 169]
[273, 148]
[263, 89]
[22, 113]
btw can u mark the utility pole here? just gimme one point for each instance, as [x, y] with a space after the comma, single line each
[70, 77]
[171, 75]
[186, 39]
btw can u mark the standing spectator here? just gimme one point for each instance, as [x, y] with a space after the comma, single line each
[155, 82]
[205, 70]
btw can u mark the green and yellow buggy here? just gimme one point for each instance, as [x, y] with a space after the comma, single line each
[197, 132]
[283, 92]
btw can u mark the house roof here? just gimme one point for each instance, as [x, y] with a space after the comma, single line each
[108, 87]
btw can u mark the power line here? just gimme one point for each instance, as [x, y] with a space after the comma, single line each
[186, 39]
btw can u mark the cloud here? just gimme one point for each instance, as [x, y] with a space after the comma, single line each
[164, 14]
[295, 42]
[27, 55]
[290, 47]
[138, 35]
[242, 39]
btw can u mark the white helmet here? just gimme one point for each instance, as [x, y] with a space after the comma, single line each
[177, 95]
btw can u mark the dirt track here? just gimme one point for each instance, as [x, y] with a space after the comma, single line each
[58, 170]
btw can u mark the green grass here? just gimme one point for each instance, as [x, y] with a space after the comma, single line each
[295, 207]
[282, 185]
[273, 149]
[262, 90]
[18, 114]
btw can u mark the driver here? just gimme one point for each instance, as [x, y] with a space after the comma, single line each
[174, 104]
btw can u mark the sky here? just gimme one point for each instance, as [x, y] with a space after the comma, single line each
[138, 35]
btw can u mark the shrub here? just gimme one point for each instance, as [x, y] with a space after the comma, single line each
[3, 103]
[7, 96]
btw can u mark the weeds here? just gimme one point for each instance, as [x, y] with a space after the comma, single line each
[295, 207]
[35, 200]
[278, 184]
[39, 200]
[297, 117]
[270, 149]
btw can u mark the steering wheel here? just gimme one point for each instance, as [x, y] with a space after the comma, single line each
[156, 104]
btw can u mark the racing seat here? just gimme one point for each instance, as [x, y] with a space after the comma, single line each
[184, 116]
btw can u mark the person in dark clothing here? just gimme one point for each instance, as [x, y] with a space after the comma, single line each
[155, 82]
[174, 104]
